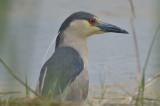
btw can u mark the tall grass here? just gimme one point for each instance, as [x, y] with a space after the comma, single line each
[26, 87]
[140, 73]
[136, 48]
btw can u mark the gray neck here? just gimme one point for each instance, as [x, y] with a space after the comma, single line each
[77, 42]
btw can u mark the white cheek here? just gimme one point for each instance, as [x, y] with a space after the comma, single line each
[74, 24]
[82, 28]
[79, 26]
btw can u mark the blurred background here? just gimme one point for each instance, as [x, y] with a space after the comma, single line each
[29, 27]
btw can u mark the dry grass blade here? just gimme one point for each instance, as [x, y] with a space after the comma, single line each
[16, 77]
[132, 8]
[151, 47]
[140, 75]
[10, 92]
[152, 79]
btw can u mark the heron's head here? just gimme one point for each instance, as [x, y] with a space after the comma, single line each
[86, 24]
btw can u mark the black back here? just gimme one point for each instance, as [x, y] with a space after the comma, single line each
[60, 70]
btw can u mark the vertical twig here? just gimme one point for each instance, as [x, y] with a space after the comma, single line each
[140, 75]
[133, 16]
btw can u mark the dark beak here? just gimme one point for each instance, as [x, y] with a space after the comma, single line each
[105, 27]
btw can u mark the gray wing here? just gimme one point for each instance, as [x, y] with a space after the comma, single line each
[59, 71]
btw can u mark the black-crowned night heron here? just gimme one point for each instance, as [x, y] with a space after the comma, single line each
[66, 72]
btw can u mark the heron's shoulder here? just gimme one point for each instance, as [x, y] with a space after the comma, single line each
[66, 52]
[65, 57]
[66, 49]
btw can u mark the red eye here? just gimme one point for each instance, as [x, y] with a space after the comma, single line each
[92, 21]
